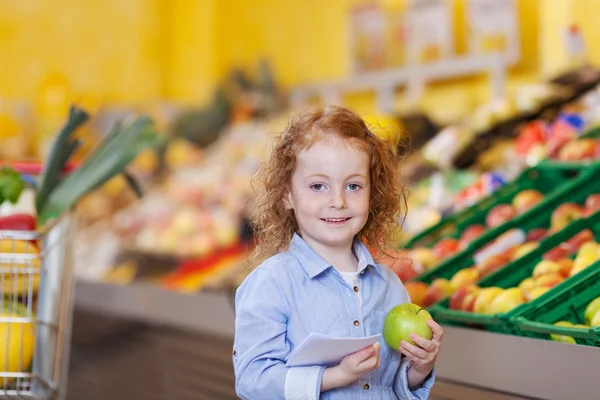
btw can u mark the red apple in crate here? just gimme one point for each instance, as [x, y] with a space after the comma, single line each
[438, 291]
[500, 214]
[469, 301]
[471, 233]
[573, 244]
[465, 277]
[556, 253]
[526, 199]
[536, 234]
[564, 214]
[592, 203]
[492, 264]
[446, 247]
[416, 291]
[577, 150]
[457, 298]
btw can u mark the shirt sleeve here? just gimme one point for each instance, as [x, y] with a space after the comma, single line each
[401, 384]
[260, 345]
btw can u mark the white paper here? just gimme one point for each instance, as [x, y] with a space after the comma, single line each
[319, 349]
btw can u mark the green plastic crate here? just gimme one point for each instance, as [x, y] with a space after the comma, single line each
[568, 303]
[510, 276]
[576, 190]
[593, 133]
[543, 178]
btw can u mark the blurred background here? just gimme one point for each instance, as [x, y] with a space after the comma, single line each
[461, 84]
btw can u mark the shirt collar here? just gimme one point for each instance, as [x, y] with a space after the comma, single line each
[314, 264]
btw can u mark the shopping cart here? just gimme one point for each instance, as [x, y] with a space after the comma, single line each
[36, 307]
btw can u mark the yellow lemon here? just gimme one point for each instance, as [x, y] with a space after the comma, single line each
[18, 354]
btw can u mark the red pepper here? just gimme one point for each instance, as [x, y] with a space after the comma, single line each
[18, 222]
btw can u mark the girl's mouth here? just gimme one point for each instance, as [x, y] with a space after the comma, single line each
[335, 220]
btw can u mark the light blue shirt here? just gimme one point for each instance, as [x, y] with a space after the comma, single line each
[297, 292]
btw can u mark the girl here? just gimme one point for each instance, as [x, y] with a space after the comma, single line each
[329, 185]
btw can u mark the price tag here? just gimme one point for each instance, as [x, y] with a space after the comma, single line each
[429, 31]
[493, 28]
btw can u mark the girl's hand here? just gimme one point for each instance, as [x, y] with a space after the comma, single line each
[352, 367]
[423, 355]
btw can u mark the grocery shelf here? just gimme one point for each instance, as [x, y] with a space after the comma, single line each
[385, 82]
[519, 366]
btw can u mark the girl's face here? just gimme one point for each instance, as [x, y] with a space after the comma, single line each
[329, 193]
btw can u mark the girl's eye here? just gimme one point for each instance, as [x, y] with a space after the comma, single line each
[354, 186]
[317, 186]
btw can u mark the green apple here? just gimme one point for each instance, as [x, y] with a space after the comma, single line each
[563, 338]
[595, 319]
[591, 310]
[403, 320]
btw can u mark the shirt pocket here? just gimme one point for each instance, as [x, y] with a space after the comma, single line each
[386, 352]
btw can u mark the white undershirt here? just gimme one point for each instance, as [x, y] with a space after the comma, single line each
[352, 279]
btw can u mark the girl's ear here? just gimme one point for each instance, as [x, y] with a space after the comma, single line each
[287, 199]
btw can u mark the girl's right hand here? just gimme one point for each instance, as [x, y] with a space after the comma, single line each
[353, 367]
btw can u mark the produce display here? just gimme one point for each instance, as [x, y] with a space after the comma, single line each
[511, 246]
[197, 210]
[547, 273]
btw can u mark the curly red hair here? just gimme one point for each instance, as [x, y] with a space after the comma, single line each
[275, 225]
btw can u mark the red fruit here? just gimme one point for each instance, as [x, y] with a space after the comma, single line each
[499, 215]
[471, 233]
[573, 244]
[535, 235]
[564, 214]
[492, 264]
[592, 203]
[555, 254]
[446, 247]
[457, 298]
[526, 199]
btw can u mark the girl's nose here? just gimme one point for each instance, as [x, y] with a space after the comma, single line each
[339, 201]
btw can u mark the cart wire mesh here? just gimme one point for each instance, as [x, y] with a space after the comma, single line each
[35, 312]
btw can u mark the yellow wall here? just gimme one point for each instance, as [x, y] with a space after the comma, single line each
[143, 50]
[122, 51]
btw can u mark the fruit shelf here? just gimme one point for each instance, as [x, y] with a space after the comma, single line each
[568, 303]
[572, 190]
[513, 274]
[542, 178]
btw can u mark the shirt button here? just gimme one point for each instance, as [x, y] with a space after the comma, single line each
[366, 386]
[233, 352]
[356, 289]
[362, 272]
[356, 323]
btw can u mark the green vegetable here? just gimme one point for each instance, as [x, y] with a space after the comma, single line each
[11, 185]
[62, 150]
[125, 141]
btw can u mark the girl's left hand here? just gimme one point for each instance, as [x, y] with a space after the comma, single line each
[423, 355]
